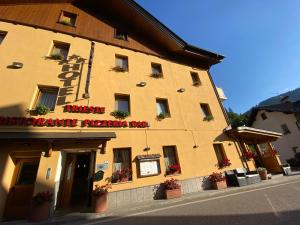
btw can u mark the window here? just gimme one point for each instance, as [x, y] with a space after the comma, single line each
[121, 35]
[121, 63]
[122, 103]
[47, 96]
[263, 116]
[67, 18]
[171, 160]
[162, 107]
[2, 36]
[122, 171]
[285, 129]
[207, 115]
[60, 50]
[27, 173]
[195, 79]
[156, 70]
[221, 155]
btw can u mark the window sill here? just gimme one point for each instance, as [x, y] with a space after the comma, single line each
[124, 182]
[171, 175]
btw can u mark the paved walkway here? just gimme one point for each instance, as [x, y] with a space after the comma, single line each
[144, 206]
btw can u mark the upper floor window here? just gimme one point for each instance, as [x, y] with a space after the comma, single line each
[285, 129]
[263, 116]
[60, 50]
[122, 165]
[156, 70]
[221, 155]
[122, 103]
[206, 112]
[121, 63]
[171, 160]
[162, 108]
[68, 18]
[2, 36]
[121, 35]
[195, 79]
[47, 96]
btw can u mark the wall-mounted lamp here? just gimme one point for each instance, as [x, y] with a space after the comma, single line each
[147, 149]
[181, 90]
[142, 84]
[15, 65]
[196, 146]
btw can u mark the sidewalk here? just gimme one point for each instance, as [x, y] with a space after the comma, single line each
[145, 206]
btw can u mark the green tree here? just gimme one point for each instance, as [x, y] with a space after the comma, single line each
[237, 120]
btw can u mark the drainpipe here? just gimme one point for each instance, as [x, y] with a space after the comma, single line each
[88, 76]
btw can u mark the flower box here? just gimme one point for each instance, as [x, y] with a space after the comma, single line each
[175, 193]
[219, 185]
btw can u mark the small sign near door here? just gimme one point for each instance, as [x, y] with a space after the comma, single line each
[102, 166]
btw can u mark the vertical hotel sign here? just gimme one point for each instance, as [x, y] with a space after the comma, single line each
[59, 122]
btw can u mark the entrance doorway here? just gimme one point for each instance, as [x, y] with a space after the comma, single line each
[21, 190]
[77, 184]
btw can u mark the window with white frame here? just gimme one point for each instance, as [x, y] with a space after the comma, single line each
[122, 103]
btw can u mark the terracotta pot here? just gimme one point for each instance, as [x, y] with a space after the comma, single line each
[39, 212]
[124, 179]
[219, 185]
[175, 193]
[263, 174]
[100, 203]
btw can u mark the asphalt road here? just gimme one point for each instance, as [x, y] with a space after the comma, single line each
[274, 205]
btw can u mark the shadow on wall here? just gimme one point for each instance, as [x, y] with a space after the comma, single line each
[167, 218]
[5, 158]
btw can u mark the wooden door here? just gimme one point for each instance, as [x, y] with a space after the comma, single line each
[22, 187]
[68, 180]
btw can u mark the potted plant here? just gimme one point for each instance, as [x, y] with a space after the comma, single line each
[263, 173]
[119, 114]
[161, 116]
[120, 68]
[40, 207]
[224, 163]
[173, 169]
[208, 118]
[123, 175]
[172, 188]
[56, 56]
[100, 198]
[157, 75]
[41, 110]
[249, 155]
[217, 180]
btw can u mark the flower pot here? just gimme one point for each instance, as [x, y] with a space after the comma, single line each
[100, 203]
[175, 193]
[219, 185]
[39, 212]
[124, 179]
[263, 174]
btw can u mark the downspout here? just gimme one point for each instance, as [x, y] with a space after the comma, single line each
[239, 147]
[88, 76]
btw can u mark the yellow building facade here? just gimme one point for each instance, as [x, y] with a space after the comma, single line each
[74, 147]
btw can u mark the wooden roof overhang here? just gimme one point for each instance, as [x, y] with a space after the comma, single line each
[253, 135]
[142, 22]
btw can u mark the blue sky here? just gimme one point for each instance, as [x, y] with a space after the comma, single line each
[260, 39]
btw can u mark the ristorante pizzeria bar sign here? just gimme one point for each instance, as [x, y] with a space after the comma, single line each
[51, 122]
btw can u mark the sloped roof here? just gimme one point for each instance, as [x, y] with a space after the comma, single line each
[128, 11]
[286, 107]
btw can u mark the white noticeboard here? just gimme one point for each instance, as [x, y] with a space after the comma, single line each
[148, 168]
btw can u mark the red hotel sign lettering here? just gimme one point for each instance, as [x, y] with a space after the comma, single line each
[43, 122]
